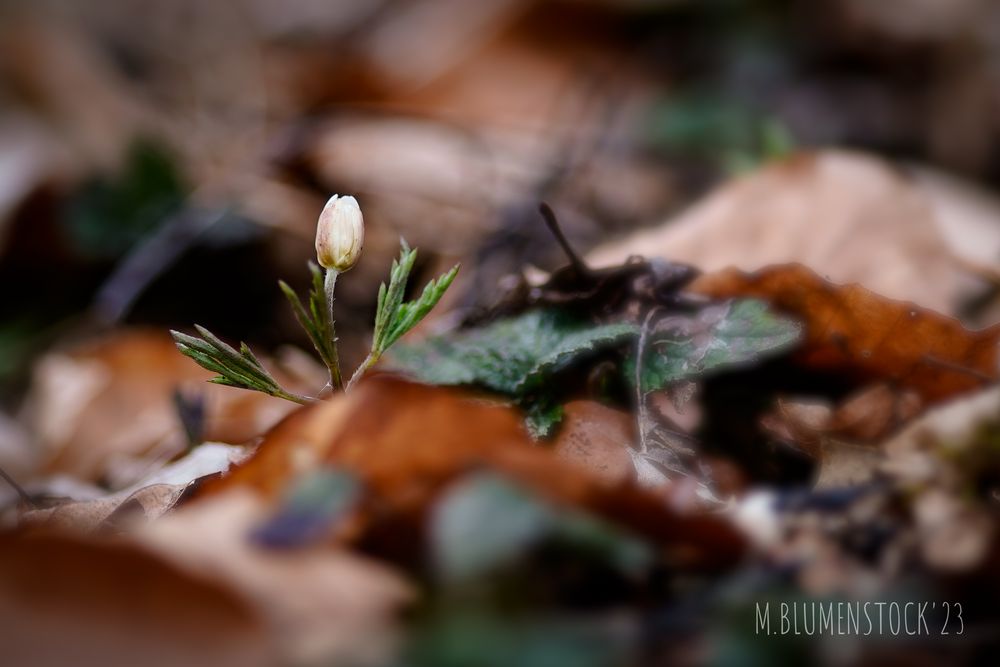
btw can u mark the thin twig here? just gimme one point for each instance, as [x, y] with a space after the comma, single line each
[957, 368]
[549, 216]
[25, 498]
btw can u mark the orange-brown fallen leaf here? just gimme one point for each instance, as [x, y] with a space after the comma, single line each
[319, 605]
[596, 439]
[853, 332]
[406, 442]
[69, 600]
[85, 516]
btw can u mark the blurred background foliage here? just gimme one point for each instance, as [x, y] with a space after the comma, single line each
[162, 163]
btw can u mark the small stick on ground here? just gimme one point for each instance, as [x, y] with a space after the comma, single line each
[552, 223]
[25, 498]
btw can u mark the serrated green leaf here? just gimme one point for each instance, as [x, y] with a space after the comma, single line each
[391, 298]
[519, 356]
[721, 335]
[512, 356]
[316, 321]
[236, 369]
[409, 314]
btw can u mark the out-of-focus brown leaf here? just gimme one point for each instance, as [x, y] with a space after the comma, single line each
[864, 417]
[406, 442]
[103, 410]
[848, 216]
[958, 433]
[845, 464]
[109, 604]
[853, 332]
[151, 502]
[948, 460]
[597, 439]
[410, 47]
[320, 605]
[52, 63]
[150, 497]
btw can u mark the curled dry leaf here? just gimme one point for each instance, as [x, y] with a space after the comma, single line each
[88, 515]
[116, 605]
[406, 442]
[150, 497]
[855, 333]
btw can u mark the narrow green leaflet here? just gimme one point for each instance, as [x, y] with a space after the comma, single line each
[235, 368]
[316, 322]
[721, 335]
[512, 356]
[393, 316]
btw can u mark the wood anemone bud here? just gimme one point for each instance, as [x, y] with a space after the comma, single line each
[340, 234]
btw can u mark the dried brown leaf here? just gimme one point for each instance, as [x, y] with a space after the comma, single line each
[847, 215]
[597, 438]
[406, 442]
[104, 409]
[855, 333]
[69, 600]
[319, 605]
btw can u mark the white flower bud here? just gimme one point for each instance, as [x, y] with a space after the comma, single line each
[340, 233]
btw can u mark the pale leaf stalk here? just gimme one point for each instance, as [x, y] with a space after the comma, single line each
[369, 361]
[329, 285]
[290, 396]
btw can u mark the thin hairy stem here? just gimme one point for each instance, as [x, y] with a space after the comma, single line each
[329, 285]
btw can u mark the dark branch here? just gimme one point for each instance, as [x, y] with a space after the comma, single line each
[553, 224]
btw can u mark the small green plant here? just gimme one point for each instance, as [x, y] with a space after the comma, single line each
[339, 241]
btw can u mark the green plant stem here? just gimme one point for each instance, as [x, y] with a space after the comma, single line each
[369, 361]
[294, 398]
[329, 285]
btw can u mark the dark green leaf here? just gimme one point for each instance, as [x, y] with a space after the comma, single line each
[513, 356]
[720, 335]
[460, 635]
[487, 522]
[484, 523]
